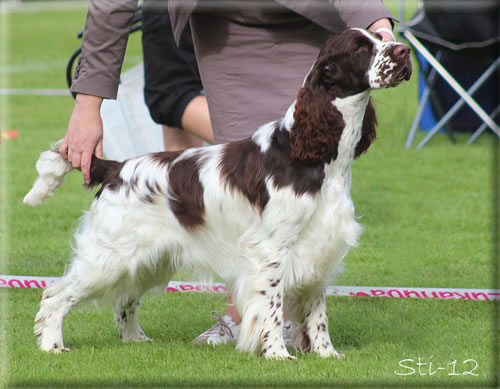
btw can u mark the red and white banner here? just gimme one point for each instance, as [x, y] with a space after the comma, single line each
[7, 281]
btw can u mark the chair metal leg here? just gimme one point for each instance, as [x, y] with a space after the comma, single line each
[483, 127]
[480, 81]
[453, 83]
[421, 106]
[418, 116]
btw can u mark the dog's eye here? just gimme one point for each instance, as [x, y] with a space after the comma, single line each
[362, 49]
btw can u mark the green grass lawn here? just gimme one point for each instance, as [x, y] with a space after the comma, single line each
[427, 217]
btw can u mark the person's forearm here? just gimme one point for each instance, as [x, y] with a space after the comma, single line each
[362, 13]
[103, 47]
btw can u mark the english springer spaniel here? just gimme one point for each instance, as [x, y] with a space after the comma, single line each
[271, 215]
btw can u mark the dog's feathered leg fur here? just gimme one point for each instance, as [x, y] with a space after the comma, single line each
[308, 312]
[54, 306]
[88, 279]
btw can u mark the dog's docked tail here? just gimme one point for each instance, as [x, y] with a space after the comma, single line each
[51, 169]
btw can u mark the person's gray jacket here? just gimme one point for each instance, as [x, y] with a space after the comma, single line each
[108, 24]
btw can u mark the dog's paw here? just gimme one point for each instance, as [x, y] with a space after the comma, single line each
[145, 338]
[47, 339]
[138, 337]
[60, 350]
[330, 353]
[54, 348]
[281, 355]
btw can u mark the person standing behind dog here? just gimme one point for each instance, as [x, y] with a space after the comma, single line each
[173, 95]
[258, 54]
[172, 86]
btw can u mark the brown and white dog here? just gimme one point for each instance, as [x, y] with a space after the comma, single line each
[271, 215]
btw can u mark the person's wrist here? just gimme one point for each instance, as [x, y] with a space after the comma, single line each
[382, 27]
[385, 31]
[88, 101]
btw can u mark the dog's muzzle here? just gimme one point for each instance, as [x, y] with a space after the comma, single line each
[401, 54]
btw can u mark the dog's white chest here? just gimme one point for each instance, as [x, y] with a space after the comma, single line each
[329, 235]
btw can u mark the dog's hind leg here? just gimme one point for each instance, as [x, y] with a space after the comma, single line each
[102, 269]
[126, 306]
[84, 281]
[57, 301]
[125, 310]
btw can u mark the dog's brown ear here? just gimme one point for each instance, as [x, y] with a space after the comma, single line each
[317, 127]
[368, 132]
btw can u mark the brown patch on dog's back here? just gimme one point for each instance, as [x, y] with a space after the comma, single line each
[245, 168]
[242, 167]
[186, 191]
[165, 157]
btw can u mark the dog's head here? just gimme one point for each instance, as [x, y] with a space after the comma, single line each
[356, 60]
[350, 63]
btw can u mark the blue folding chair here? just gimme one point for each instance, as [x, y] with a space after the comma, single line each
[457, 41]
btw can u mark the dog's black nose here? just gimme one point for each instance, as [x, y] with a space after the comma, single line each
[401, 51]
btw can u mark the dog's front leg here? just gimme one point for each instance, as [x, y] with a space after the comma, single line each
[266, 250]
[261, 305]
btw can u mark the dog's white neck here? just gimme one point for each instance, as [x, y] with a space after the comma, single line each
[338, 172]
[352, 109]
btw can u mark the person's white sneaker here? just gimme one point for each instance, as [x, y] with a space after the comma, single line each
[226, 331]
[288, 333]
[222, 332]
